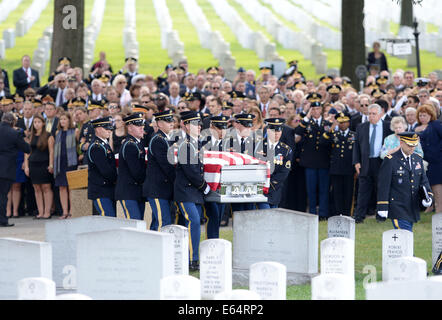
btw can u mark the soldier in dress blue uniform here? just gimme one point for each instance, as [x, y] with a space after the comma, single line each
[215, 211]
[315, 157]
[403, 179]
[190, 185]
[341, 169]
[160, 172]
[102, 171]
[280, 156]
[87, 133]
[132, 169]
[240, 139]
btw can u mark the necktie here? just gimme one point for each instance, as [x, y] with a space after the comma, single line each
[243, 145]
[59, 100]
[372, 141]
[408, 163]
[27, 123]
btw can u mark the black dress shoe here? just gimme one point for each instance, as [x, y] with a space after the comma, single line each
[7, 224]
[379, 219]
[194, 266]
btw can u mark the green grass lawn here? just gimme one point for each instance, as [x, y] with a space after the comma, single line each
[368, 252]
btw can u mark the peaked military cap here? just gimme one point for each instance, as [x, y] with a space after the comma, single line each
[220, 121]
[164, 116]
[190, 116]
[314, 97]
[410, 138]
[275, 123]
[137, 119]
[343, 116]
[334, 89]
[106, 123]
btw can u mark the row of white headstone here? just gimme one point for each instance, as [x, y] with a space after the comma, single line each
[209, 39]
[6, 7]
[29, 17]
[170, 39]
[248, 38]
[130, 43]
[43, 52]
[286, 36]
[91, 33]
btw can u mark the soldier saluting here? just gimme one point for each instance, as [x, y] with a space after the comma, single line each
[403, 180]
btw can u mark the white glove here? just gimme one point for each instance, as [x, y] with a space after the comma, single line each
[383, 214]
[206, 191]
[426, 203]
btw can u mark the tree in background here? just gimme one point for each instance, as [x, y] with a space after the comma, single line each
[68, 34]
[353, 37]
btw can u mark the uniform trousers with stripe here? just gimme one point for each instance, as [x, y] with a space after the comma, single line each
[214, 213]
[402, 224]
[161, 215]
[192, 213]
[105, 207]
[133, 209]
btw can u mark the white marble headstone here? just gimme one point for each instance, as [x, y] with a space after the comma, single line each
[338, 256]
[36, 289]
[341, 226]
[333, 286]
[72, 296]
[279, 235]
[406, 269]
[215, 267]
[237, 294]
[405, 290]
[181, 247]
[62, 235]
[21, 259]
[269, 280]
[395, 244]
[436, 225]
[123, 264]
[180, 287]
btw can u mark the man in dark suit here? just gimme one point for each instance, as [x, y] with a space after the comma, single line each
[369, 139]
[51, 120]
[25, 77]
[12, 142]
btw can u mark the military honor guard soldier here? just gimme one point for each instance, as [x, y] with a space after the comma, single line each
[132, 169]
[341, 169]
[160, 172]
[402, 183]
[280, 156]
[190, 186]
[102, 171]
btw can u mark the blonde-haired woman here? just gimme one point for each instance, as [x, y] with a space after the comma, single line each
[120, 83]
[392, 143]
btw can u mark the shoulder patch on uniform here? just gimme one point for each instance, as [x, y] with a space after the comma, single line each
[284, 145]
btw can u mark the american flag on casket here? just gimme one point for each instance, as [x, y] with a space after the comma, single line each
[215, 161]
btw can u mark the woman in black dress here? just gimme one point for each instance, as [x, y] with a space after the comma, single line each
[65, 159]
[39, 166]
